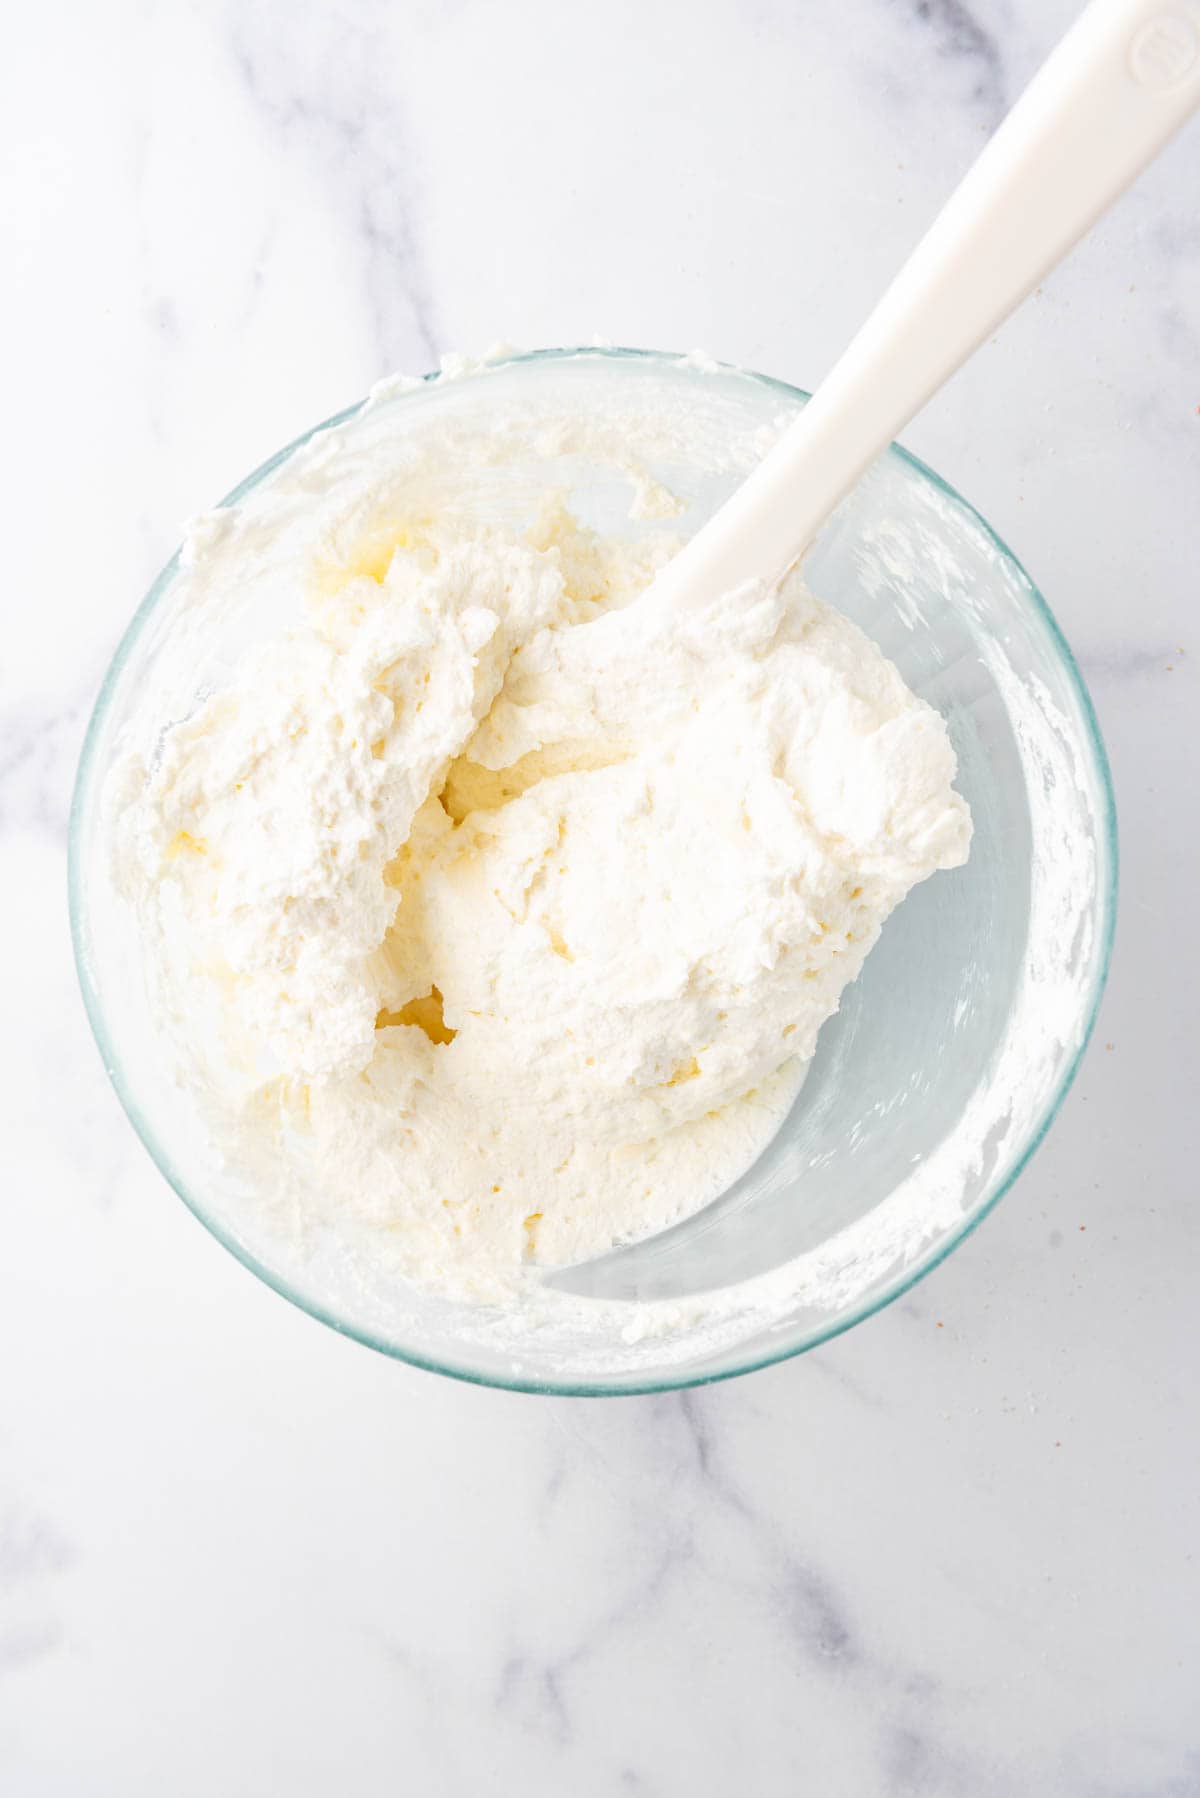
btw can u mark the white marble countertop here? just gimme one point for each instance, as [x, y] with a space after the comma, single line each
[950, 1553]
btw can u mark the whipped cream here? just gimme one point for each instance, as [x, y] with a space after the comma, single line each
[495, 907]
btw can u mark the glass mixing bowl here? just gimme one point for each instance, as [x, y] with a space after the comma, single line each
[950, 1055]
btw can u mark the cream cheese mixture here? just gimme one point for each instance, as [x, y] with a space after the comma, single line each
[507, 903]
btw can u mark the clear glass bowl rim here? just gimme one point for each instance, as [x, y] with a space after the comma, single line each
[677, 1378]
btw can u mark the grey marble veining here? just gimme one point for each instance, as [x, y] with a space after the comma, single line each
[323, 95]
[960, 35]
[952, 1553]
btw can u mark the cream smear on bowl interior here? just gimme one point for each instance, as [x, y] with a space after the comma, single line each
[564, 918]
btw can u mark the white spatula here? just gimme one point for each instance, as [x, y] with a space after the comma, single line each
[1124, 78]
